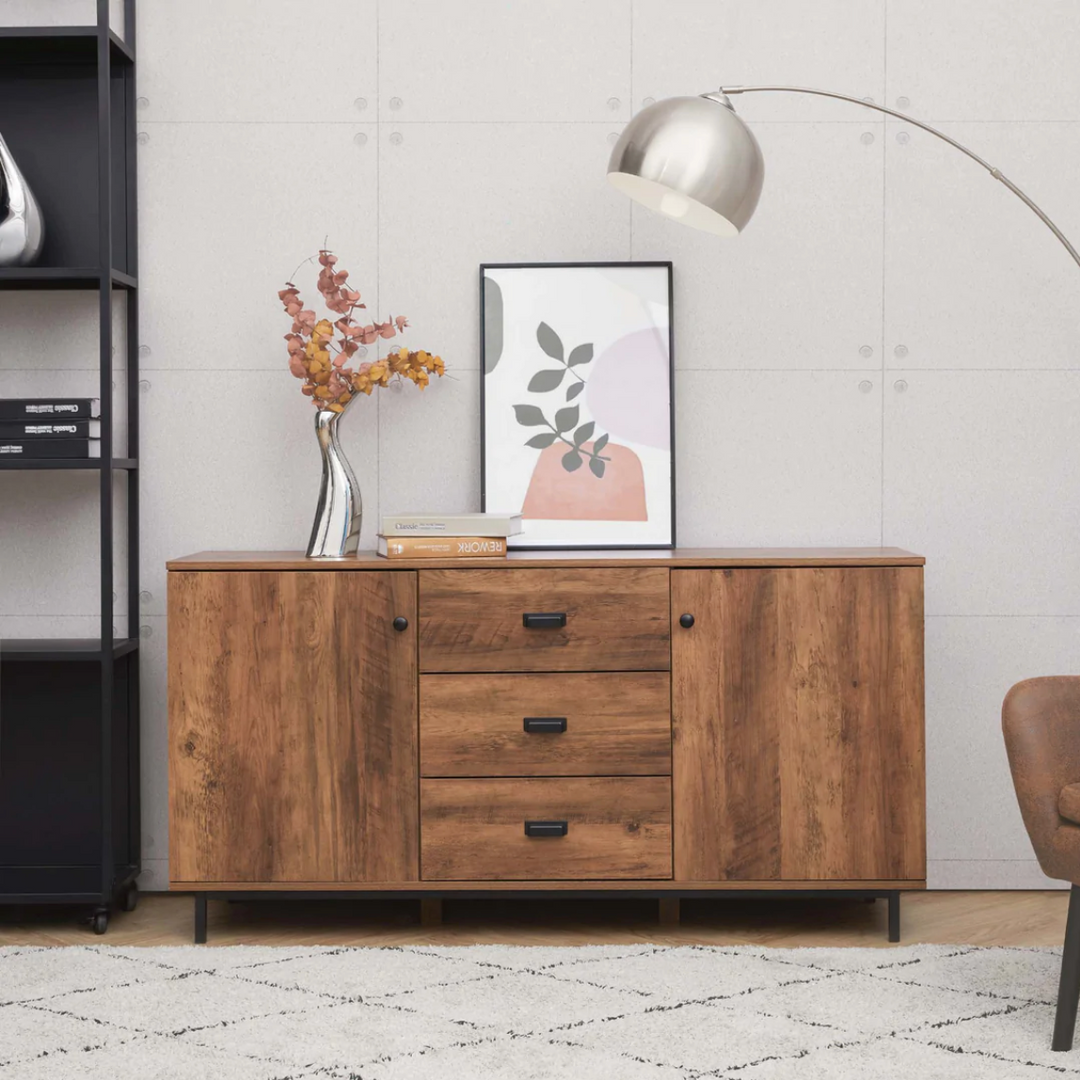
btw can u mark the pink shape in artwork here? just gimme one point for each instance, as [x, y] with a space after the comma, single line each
[557, 495]
[629, 389]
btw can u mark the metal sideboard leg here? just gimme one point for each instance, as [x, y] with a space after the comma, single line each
[894, 915]
[200, 918]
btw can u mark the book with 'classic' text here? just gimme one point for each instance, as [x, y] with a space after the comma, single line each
[50, 429]
[49, 408]
[451, 525]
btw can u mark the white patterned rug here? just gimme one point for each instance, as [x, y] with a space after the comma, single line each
[624, 1013]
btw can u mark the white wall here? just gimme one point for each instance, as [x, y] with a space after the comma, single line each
[887, 356]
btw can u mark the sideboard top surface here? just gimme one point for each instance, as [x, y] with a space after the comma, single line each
[705, 558]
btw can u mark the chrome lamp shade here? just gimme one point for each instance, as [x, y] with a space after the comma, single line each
[693, 160]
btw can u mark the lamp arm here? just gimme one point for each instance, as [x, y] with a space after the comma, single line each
[996, 173]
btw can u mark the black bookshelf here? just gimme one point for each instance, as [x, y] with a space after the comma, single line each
[69, 708]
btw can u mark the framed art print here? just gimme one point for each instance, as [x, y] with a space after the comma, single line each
[576, 393]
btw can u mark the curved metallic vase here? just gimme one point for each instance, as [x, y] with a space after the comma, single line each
[336, 532]
[22, 229]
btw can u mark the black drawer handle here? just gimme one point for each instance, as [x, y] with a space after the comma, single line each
[545, 725]
[546, 828]
[543, 620]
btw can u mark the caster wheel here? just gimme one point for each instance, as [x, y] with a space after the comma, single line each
[100, 922]
[130, 899]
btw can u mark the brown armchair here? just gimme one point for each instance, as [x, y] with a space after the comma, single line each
[1041, 722]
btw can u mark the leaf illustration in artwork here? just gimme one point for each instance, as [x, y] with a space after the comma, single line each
[584, 433]
[493, 324]
[600, 443]
[565, 419]
[571, 461]
[544, 439]
[529, 415]
[549, 341]
[581, 355]
[546, 380]
[573, 390]
[597, 466]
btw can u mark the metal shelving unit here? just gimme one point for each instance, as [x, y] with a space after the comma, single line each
[69, 708]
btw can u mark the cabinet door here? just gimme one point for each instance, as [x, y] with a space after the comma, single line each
[292, 727]
[797, 708]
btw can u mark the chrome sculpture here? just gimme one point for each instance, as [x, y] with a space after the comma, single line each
[22, 229]
[336, 532]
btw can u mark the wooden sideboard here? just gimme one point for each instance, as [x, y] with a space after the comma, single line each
[675, 723]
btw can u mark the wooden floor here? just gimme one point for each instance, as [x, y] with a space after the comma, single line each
[976, 918]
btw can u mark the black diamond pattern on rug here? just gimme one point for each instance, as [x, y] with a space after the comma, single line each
[592, 1013]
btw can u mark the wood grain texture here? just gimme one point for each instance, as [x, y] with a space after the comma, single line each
[616, 620]
[797, 713]
[677, 557]
[725, 725]
[473, 830]
[617, 724]
[292, 727]
[852, 755]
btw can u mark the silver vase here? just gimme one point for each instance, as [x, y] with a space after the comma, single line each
[336, 532]
[22, 229]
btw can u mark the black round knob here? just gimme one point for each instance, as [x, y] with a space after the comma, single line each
[686, 621]
[401, 623]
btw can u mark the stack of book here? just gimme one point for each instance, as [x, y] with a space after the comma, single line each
[447, 536]
[50, 428]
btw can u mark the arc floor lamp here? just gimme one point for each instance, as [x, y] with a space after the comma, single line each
[693, 159]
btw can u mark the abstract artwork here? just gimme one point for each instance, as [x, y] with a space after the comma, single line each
[576, 402]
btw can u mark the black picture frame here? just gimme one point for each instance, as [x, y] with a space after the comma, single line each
[655, 264]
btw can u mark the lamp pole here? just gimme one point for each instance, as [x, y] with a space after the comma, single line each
[724, 92]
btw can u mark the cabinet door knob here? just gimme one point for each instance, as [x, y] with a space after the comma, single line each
[686, 621]
[401, 623]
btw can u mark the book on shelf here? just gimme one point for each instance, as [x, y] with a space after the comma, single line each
[442, 547]
[53, 449]
[463, 525]
[50, 429]
[49, 408]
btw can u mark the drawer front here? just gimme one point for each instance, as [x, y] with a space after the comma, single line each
[586, 724]
[544, 620]
[583, 828]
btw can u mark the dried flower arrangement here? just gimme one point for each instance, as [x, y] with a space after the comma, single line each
[324, 365]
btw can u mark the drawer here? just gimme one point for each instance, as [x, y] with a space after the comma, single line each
[586, 724]
[593, 620]
[476, 830]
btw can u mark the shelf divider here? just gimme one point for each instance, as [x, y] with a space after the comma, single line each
[55, 650]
